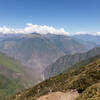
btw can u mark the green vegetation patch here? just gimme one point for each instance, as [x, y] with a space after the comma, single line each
[91, 93]
[10, 63]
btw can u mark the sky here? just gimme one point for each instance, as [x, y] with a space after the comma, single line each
[66, 16]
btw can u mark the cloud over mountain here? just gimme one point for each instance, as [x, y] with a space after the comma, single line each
[42, 29]
[30, 28]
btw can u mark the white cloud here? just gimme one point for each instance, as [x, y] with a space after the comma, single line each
[97, 33]
[42, 29]
[78, 33]
[30, 28]
[89, 33]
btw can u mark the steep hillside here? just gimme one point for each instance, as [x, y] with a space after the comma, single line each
[66, 62]
[82, 63]
[12, 77]
[13, 69]
[82, 79]
[91, 93]
[9, 87]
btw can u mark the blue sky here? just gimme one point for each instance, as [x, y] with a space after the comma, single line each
[72, 15]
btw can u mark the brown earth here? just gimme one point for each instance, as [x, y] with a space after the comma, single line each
[60, 96]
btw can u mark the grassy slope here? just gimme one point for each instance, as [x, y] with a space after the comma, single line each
[79, 79]
[8, 87]
[10, 63]
[91, 93]
[10, 76]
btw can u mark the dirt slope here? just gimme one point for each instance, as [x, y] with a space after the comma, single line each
[60, 96]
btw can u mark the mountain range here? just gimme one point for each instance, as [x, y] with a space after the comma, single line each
[37, 51]
[89, 38]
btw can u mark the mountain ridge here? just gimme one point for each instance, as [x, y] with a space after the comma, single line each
[38, 51]
[67, 61]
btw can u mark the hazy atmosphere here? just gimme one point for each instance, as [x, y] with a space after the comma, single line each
[49, 50]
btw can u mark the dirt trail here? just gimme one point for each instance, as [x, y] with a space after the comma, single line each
[60, 96]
